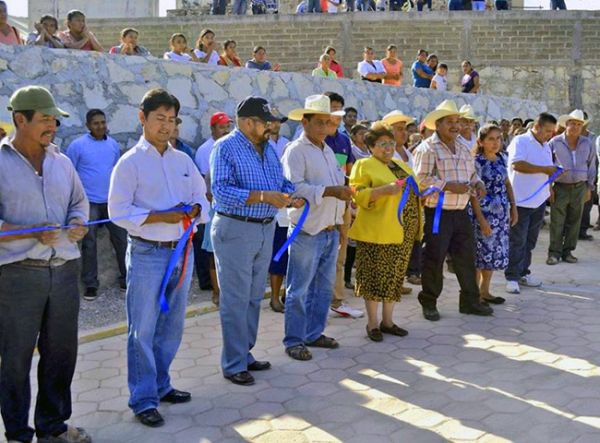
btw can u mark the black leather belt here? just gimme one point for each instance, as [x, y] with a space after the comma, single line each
[160, 244]
[570, 184]
[260, 221]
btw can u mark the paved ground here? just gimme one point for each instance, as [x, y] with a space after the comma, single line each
[528, 374]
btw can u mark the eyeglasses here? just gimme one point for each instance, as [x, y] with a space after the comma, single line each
[386, 145]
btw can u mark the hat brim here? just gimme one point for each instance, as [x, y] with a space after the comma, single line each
[298, 114]
[392, 120]
[438, 114]
[470, 117]
[563, 119]
[56, 112]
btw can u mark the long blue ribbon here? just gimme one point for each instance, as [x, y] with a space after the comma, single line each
[553, 177]
[411, 185]
[183, 208]
[173, 260]
[294, 233]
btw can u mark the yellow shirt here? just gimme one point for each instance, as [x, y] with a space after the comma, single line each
[377, 222]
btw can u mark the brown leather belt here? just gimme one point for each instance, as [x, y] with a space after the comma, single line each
[52, 263]
[160, 244]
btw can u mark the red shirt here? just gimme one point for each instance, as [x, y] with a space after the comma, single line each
[337, 68]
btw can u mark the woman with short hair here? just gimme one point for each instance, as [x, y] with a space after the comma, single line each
[324, 68]
[384, 244]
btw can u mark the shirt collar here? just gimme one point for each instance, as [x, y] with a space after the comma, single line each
[535, 140]
[146, 146]
[91, 137]
[7, 142]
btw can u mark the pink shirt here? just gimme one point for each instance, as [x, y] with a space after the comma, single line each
[392, 69]
[12, 38]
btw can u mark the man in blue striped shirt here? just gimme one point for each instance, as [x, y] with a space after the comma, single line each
[248, 188]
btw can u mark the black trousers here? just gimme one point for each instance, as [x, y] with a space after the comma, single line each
[349, 264]
[89, 249]
[455, 237]
[38, 306]
[201, 259]
[415, 265]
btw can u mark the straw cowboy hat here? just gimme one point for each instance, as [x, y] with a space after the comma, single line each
[444, 109]
[468, 112]
[577, 115]
[397, 117]
[314, 104]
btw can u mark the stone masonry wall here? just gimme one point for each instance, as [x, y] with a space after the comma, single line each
[550, 56]
[83, 80]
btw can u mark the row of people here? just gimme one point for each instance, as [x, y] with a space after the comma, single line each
[242, 233]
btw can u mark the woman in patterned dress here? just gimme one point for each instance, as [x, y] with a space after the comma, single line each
[384, 245]
[495, 213]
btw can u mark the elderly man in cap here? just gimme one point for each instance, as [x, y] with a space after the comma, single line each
[468, 126]
[39, 297]
[446, 163]
[148, 184]
[248, 188]
[312, 167]
[576, 155]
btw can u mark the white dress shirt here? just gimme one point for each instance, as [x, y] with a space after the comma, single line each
[312, 169]
[144, 181]
[202, 157]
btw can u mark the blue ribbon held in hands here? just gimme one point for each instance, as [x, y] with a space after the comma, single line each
[411, 185]
[552, 178]
[294, 233]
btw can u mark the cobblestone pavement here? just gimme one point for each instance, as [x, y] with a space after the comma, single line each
[529, 374]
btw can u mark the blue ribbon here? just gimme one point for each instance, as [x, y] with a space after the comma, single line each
[553, 177]
[173, 260]
[294, 233]
[411, 185]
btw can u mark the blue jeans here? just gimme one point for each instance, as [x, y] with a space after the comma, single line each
[478, 5]
[153, 336]
[421, 3]
[242, 256]
[502, 5]
[313, 6]
[455, 5]
[557, 4]
[239, 7]
[522, 240]
[310, 282]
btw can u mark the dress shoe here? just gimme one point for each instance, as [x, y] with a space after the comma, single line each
[151, 417]
[476, 309]
[90, 294]
[176, 396]
[374, 334]
[393, 330]
[259, 366]
[586, 237]
[570, 258]
[243, 378]
[431, 313]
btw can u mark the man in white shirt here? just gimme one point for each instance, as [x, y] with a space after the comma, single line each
[150, 178]
[529, 166]
[313, 168]
[371, 70]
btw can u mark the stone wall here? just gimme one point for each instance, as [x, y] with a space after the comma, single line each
[83, 80]
[543, 55]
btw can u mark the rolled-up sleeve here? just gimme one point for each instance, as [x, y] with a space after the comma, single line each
[294, 170]
[222, 173]
[121, 196]
[424, 168]
[79, 206]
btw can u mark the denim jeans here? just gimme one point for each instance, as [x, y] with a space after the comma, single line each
[502, 5]
[153, 336]
[455, 5]
[421, 3]
[522, 239]
[557, 4]
[350, 5]
[242, 256]
[310, 280]
[239, 7]
[218, 7]
[89, 250]
[478, 5]
[314, 6]
[38, 306]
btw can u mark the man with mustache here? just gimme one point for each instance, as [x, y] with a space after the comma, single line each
[248, 188]
[445, 162]
[39, 297]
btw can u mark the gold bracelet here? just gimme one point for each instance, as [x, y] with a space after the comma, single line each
[262, 196]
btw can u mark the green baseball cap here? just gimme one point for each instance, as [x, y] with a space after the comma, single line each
[35, 98]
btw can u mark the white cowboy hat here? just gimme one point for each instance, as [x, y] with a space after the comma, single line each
[577, 114]
[397, 117]
[314, 104]
[444, 109]
[468, 112]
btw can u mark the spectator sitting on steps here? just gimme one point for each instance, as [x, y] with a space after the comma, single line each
[46, 33]
[260, 62]
[334, 66]
[179, 50]
[229, 56]
[206, 48]
[324, 69]
[8, 34]
[78, 36]
[129, 46]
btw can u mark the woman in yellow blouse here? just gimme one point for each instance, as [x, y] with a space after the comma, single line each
[384, 245]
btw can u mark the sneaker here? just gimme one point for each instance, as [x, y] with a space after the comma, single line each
[71, 435]
[530, 281]
[570, 258]
[345, 310]
[512, 287]
[414, 280]
[552, 260]
[91, 294]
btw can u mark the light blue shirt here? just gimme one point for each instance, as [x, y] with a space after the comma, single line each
[26, 198]
[94, 161]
